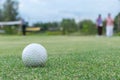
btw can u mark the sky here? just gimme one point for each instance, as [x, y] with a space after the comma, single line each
[55, 10]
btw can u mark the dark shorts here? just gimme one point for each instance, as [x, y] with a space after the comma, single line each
[99, 30]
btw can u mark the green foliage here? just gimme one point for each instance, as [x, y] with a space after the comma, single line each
[10, 10]
[68, 26]
[1, 15]
[69, 58]
[10, 13]
[87, 27]
[117, 23]
[10, 29]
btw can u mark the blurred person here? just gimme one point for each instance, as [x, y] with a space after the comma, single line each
[24, 25]
[109, 26]
[99, 24]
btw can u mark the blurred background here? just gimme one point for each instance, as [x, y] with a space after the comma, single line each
[58, 17]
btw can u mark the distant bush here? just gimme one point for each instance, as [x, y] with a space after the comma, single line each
[68, 26]
[87, 27]
[11, 29]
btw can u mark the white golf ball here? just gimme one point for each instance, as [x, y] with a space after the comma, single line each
[34, 55]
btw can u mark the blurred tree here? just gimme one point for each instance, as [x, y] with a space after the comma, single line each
[54, 26]
[1, 15]
[10, 10]
[68, 26]
[87, 27]
[10, 13]
[117, 23]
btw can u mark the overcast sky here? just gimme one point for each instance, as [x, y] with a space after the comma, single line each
[55, 10]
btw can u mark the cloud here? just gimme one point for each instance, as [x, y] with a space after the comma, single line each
[51, 10]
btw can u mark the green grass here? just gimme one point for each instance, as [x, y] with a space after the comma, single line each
[69, 58]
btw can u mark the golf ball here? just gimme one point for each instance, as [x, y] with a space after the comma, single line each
[34, 55]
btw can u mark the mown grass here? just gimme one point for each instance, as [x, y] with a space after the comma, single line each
[69, 58]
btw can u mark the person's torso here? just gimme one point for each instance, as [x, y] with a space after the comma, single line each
[109, 22]
[99, 22]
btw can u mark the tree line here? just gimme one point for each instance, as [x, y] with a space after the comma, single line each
[69, 26]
